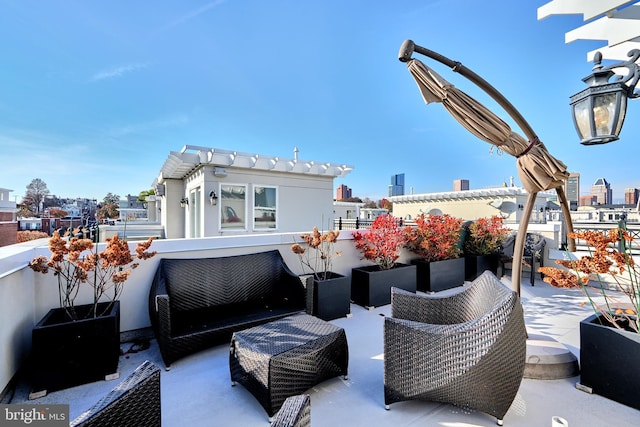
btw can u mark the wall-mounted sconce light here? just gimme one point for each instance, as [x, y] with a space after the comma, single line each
[184, 202]
[599, 110]
[213, 198]
[520, 207]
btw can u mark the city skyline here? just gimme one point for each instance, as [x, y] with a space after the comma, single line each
[96, 96]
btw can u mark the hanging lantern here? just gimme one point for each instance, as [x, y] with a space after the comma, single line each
[599, 110]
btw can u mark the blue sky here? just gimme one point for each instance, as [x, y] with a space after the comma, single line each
[94, 95]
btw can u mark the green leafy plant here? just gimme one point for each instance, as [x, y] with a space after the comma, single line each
[603, 262]
[435, 237]
[485, 235]
[382, 242]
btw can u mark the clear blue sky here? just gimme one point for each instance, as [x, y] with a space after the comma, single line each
[94, 95]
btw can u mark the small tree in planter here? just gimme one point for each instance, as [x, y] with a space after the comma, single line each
[482, 245]
[327, 291]
[381, 244]
[436, 239]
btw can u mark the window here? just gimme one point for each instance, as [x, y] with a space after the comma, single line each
[264, 208]
[233, 207]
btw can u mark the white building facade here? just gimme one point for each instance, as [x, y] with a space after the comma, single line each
[205, 192]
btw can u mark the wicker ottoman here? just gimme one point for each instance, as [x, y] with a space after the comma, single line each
[286, 357]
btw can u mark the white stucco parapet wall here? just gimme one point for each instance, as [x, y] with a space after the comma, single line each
[180, 163]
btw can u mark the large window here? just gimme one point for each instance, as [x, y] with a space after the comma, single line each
[233, 207]
[264, 207]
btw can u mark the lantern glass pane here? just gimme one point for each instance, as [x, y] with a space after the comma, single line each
[582, 119]
[604, 113]
[622, 113]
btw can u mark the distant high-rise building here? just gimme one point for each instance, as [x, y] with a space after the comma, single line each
[602, 191]
[631, 196]
[587, 200]
[460, 185]
[397, 185]
[343, 192]
[572, 190]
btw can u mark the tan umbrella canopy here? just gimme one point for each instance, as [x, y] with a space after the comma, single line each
[538, 170]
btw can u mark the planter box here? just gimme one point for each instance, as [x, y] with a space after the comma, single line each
[67, 353]
[371, 287]
[437, 276]
[475, 265]
[608, 361]
[329, 299]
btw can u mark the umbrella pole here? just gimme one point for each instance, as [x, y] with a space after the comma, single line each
[518, 247]
[564, 204]
[404, 55]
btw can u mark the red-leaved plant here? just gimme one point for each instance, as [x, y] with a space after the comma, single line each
[435, 237]
[382, 242]
[485, 235]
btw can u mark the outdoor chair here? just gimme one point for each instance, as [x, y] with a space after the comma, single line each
[532, 255]
[295, 412]
[466, 348]
[134, 402]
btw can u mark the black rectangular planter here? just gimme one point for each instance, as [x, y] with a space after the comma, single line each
[609, 361]
[329, 299]
[66, 353]
[371, 286]
[437, 276]
[475, 265]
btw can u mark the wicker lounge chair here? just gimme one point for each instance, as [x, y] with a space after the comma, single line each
[134, 402]
[533, 253]
[295, 412]
[467, 348]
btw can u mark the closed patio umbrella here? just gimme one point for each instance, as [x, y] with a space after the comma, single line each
[538, 170]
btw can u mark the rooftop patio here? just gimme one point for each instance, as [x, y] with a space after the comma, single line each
[197, 390]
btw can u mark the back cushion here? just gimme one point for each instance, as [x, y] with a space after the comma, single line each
[206, 282]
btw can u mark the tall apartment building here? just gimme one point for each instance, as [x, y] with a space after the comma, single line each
[631, 196]
[397, 185]
[572, 190]
[602, 191]
[343, 192]
[460, 185]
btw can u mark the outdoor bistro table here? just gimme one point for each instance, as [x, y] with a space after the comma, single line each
[287, 357]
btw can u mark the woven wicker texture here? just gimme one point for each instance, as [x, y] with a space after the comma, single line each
[197, 303]
[287, 357]
[467, 349]
[134, 402]
[295, 412]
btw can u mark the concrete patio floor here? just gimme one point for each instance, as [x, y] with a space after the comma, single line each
[197, 390]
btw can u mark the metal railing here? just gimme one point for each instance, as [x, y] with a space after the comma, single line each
[632, 228]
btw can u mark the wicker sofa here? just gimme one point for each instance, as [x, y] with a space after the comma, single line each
[466, 348]
[197, 303]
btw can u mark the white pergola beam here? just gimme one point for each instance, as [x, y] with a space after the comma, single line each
[589, 9]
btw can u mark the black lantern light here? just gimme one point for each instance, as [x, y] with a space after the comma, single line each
[184, 202]
[213, 198]
[598, 111]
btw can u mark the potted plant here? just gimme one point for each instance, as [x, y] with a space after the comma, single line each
[381, 244]
[328, 293]
[79, 343]
[482, 243]
[436, 239]
[610, 337]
